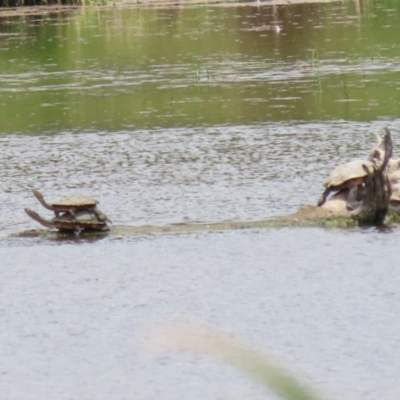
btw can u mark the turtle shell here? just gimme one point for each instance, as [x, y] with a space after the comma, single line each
[393, 166]
[348, 171]
[75, 201]
[395, 188]
[84, 219]
[395, 197]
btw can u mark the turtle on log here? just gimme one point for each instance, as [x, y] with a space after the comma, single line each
[349, 176]
[364, 186]
[83, 220]
[71, 204]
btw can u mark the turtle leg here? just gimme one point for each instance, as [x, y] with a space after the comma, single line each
[324, 196]
[98, 214]
[78, 229]
[72, 213]
[101, 216]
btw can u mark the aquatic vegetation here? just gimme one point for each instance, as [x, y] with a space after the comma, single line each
[315, 64]
[313, 59]
[345, 87]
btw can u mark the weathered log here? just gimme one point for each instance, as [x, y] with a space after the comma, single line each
[376, 188]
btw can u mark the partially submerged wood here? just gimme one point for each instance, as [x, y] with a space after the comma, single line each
[375, 202]
[373, 206]
[83, 220]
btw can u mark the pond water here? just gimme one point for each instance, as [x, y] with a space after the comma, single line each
[195, 114]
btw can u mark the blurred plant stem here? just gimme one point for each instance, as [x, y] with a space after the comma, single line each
[224, 348]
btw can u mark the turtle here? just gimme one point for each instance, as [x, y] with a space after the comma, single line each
[65, 222]
[349, 175]
[337, 203]
[395, 195]
[394, 180]
[393, 167]
[72, 204]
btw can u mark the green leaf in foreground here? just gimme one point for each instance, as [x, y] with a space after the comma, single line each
[222, 347]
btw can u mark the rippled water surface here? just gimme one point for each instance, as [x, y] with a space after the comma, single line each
[196, 114]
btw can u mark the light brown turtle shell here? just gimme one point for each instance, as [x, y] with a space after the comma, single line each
[393, 166]
[75, 200]
[394, 179]
[348, 171]
[395, 198]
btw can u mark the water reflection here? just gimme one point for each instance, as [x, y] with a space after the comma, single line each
[134, 68]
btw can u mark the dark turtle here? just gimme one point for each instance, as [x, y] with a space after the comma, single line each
[71, 204]
[83, 220]
[349, 176]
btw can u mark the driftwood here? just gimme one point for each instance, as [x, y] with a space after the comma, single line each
[374, 200]
[377, 191]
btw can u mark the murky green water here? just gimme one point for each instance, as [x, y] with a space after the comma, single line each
[145, 68]
[197, 114]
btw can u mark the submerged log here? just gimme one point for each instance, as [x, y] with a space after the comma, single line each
[372, 209]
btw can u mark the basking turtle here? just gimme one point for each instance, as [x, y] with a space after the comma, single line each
[83, 220]
[349, 175]
[337, 203]
[394, 180]
[71, 204]
[393, 167]
[395, 196]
